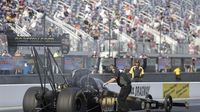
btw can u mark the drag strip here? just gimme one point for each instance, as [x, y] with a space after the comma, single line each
[194, 107]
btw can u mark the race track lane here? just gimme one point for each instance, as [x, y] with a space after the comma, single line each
[194, 107]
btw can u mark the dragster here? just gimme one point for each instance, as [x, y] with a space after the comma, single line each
[84, 93]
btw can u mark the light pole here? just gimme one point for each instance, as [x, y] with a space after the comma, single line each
[160, 37]
[160, 53]
[143, 44]
[161, 21]
[110, 35]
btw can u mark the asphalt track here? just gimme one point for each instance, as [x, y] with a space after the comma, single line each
[194, 107]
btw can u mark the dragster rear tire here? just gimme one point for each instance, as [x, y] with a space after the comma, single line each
[29, 101]
[71, 100]
[168, 103]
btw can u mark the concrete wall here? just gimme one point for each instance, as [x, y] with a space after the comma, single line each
[11, 95]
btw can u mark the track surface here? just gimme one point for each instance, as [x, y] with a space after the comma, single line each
[194, 107]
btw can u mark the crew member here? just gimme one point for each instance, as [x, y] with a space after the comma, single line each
[177, 72]
[136, 72]
[124, 81]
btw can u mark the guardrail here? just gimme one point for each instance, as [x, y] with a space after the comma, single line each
[158, 39]
[18, 30]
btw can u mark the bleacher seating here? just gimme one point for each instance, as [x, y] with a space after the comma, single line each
[153, 26]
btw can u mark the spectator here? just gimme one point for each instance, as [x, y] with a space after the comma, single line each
[144, 58]
[136, 72]
[66, 11]
[6, 54]
[80, 44]
[31, 64]
[130, 46]
[156, 67]
[57, 54]
[19, 62]
[96, 35]
[55, 69]
[193, 65]
[50, 34]
[18, 53]
[187, 68]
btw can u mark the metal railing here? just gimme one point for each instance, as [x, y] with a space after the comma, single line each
[18, 30]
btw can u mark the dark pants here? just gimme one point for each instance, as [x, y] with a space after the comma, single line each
[178, 78]
[137, 79]
[123, 94]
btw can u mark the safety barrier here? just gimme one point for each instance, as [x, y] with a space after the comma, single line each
[11, 95]
[158, 90]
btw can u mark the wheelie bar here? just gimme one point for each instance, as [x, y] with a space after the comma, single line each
[186, 105]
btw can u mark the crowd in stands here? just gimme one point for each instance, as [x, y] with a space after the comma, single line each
[125, 18]
[99, 18]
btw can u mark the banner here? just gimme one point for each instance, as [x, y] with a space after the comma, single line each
[141, 89]
[7, 63]
[176, 90]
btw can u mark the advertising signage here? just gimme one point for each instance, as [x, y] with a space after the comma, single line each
[34, 41]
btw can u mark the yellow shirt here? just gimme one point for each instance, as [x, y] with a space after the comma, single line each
[177, 71]
[133, 73]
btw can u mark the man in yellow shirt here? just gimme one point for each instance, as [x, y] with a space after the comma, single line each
[177, 72]
[136, 72]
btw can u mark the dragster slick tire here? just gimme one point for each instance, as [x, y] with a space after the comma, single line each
[71, 100]
[30, 103]
[168, 103]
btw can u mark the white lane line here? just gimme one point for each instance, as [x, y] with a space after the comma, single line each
[10, 108]
[194, 103]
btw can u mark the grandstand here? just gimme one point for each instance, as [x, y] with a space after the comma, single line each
[109, 28]
[153, 26]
